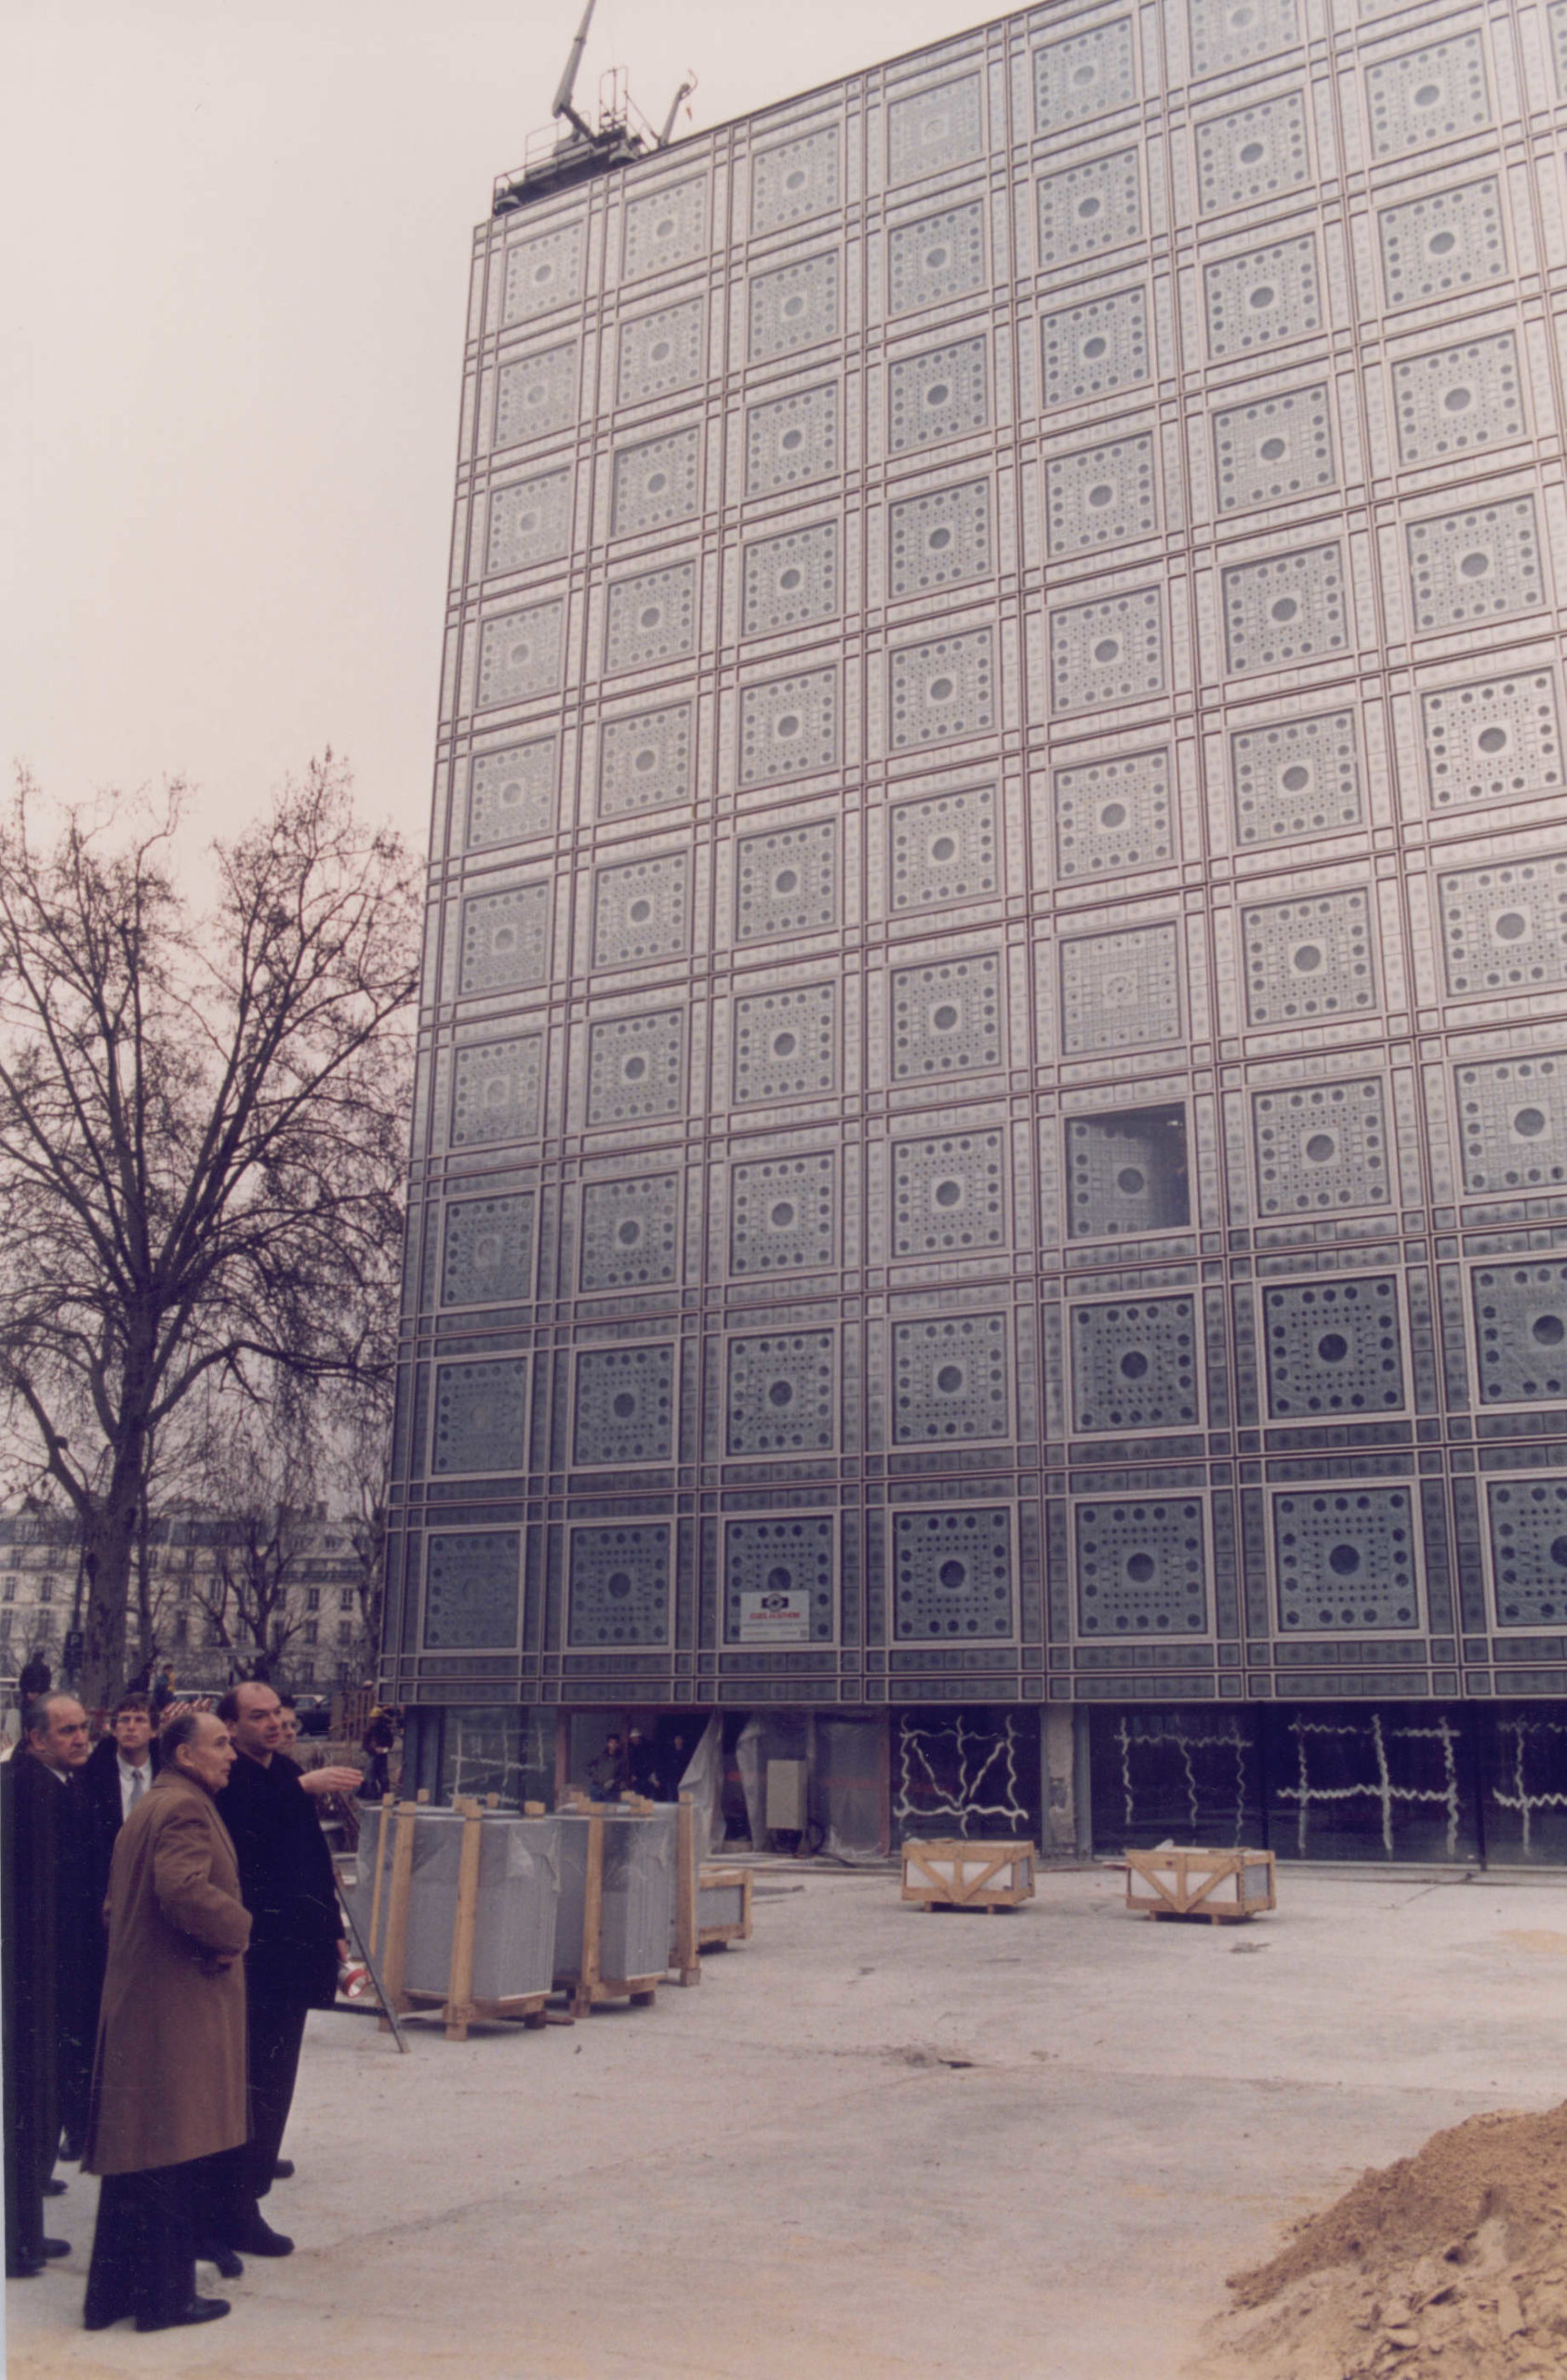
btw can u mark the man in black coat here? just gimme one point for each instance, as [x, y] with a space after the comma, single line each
[118, 1772]
[54, 1942]
[296, 1943]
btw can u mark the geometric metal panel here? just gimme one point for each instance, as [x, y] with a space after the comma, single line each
[1112, 815]
[1458, 399]
[487, 1254]
[1252, 155]
[667, 228]
[782, 1396]
[943, 847]
[1485, 743]
[530, 521]
[1529, 1550]
[1344, 1558]
[952, 1573]
[472, 1587]
[940, 394]
[949, 1379]
[1120, 991]
[625, 1405]
[786, 1044]
[785, 882]
[543, 273]
[496, 1089]
[792, 439]
[505, 940]
[941, 691]
[1447, 241]
[791, 581]
[1296, 776]
[1141, 1568]
[1101, 498]
[479, 1416]
[1224, 34]
[1481, 565]
[1088, 207]
[942, 257]
[942, 539]
[1135, 1365]
[1321, 1146]
[1505, 929]
[1109, 651]
[1127, 1172]
[772, 1565]
[789, 727]
[1276, 449]
[1427, 96]
[1556, 16]
[520, 654]
[794, 180]
[631, 1233]
[620, 1592]
[1093, 348]
[1290, 608]
[636, 1068]
[795, 307]
[946, 1019]
[536, 396]
[1309, 959]
[1258, 300]
[949, 1195]
[1512, 1121]
[1333, 1347]
[1084, 76]
[511, 794]
[1521, 1331]
[641, 911]
[651, 618]
[783, 1214]
[661, 352]
[934, 129]
[646, 762]
[657, 482]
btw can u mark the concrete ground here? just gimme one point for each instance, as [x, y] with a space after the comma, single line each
[874, 2143]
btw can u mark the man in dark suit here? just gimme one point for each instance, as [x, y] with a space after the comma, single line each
[296, 1943]
[54, 1966]
[118, 1772]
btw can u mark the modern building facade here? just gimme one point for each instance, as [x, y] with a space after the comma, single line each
[991, 1160]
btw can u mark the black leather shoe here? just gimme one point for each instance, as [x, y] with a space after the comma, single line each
[283, 2170]
[195, 2309]
[23, 2267]
[216, 2252]
[259, 2238]
[99, 2320]
[53, 2189]
[57, 2247]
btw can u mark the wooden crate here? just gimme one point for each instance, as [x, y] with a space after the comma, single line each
[1222, 1888]
[718, 1924]
[968, 1875]
[455, 2006]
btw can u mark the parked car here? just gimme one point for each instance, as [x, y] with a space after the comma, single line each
[315, 1713]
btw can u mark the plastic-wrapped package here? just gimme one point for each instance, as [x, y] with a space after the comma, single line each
[637, 1910]
[515, 1920]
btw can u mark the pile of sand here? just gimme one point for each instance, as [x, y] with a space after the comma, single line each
[1452, 2261]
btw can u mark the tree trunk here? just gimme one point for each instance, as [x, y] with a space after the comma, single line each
[109, 1538]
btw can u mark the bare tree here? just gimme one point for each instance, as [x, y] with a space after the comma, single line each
[203, 1126]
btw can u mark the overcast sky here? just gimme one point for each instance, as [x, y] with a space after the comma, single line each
[236, 242]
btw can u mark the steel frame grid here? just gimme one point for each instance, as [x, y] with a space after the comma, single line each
[1416, 1034]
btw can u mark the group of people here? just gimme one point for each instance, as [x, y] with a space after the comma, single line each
[633, 1764]
[170, 1919]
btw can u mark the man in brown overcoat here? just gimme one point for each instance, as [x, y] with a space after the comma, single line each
[168, 2083]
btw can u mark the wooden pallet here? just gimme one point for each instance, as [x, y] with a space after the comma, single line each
[718, 1934]
[968, 1875]
[1211, 1887]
